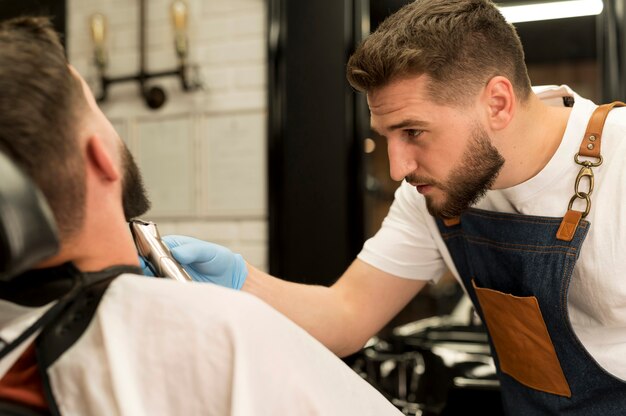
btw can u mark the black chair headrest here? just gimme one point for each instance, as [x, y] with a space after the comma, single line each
[28, 232]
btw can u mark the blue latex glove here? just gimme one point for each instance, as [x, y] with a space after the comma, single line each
[208, 262]
[144, 267]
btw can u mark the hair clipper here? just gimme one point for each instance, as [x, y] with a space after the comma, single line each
[155, 252]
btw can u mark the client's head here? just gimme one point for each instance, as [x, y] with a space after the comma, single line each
[51, 126]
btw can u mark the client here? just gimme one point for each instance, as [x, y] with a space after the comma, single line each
[84, 333]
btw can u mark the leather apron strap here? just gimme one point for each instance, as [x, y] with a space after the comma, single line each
[589, 147]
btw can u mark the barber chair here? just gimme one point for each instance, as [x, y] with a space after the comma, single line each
[435, 366]
[28, 232]
[28, 235]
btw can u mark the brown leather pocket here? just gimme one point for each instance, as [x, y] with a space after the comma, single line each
[522, 342]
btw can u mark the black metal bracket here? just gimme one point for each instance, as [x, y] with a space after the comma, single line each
[154, 96]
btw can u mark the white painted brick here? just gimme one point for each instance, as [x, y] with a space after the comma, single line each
[158, 12]
[124, 38]
[75, 5]
[211, 8]
[82, 47]
[253, 231]
[229, 27]
[122, 63]
[127, 37]
[219, 78]
[84, 65]
[165, 155]
[250, 76]
[79, 36]
[167, 228]
[211, 230]
[254, 99]
[255, 254]
[122, 96]
[160, 36]
[79, 6]
[161, 59]
[121, 127]
[248, 50]
[119, 15]
[234, 154]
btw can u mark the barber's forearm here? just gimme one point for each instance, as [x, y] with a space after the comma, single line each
[317, 309]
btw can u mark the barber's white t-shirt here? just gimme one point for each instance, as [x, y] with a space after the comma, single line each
[409, 244]
[162, 347]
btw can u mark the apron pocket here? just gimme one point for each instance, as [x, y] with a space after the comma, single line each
[521, 340]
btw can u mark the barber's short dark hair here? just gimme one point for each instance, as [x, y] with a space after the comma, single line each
[40, 100]
[459, 44]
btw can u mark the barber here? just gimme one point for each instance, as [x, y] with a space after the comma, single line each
[520, 193]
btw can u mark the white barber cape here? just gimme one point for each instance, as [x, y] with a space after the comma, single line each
[161, 347]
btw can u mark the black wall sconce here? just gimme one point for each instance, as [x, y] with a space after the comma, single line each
[154, 96]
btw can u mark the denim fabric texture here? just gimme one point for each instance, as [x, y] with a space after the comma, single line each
[520, 255]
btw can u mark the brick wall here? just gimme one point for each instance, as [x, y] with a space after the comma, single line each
[203, 154]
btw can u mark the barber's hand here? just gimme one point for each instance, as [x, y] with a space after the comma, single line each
[144, 267]
[208, 262]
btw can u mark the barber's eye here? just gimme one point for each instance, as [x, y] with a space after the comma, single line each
[412, 134]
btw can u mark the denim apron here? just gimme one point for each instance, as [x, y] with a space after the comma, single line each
[517, 269]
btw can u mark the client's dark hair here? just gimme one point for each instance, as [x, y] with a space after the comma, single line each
[40, 100]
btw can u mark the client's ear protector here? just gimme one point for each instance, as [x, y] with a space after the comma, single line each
[28, 231]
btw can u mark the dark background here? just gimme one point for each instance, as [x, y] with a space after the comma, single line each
[52, 8]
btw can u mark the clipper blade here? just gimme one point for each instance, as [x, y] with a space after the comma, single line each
[155, 252]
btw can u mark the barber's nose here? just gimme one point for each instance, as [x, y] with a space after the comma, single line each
[401, 160]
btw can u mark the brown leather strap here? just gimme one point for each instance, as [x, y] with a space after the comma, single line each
[590, 145]
[451, 222]
[568, 226]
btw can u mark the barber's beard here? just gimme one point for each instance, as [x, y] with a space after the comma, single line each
[134, 196]
[469, 180]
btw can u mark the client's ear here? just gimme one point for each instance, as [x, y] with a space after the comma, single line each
[100, 160]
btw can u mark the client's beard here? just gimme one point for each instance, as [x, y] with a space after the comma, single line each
[134, 197]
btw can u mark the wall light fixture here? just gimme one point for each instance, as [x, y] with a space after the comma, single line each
[154, 96]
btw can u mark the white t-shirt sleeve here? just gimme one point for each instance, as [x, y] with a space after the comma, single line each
[404, 246]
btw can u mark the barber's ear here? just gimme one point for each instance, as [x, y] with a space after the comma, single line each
[100, 160]
[499, 98]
